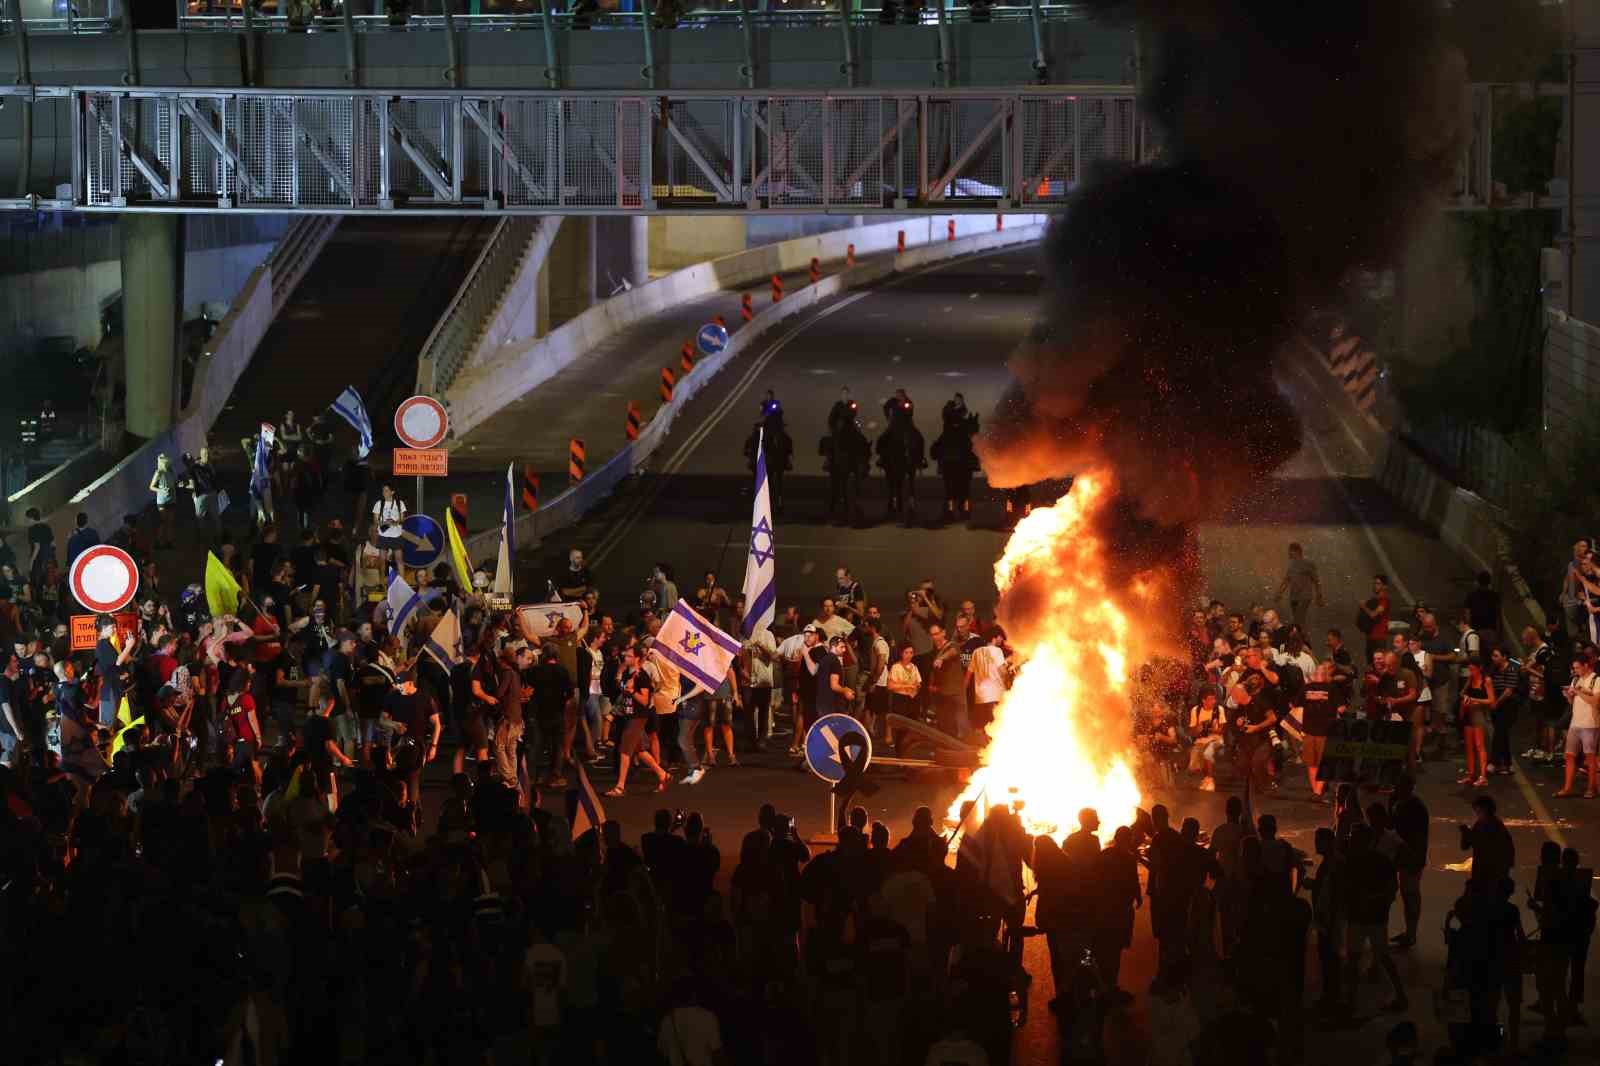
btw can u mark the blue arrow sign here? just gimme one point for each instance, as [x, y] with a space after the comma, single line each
[427, 531]
[711, 339]
[823, 739]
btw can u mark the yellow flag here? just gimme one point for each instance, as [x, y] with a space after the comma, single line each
[124, 713]
[458, 552]
[222, 591]
[120, 740]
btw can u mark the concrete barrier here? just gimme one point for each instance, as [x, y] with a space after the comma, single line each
[566, 508]
[480, 392]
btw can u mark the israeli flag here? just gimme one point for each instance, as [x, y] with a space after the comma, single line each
[260, 479]
[761, 565]
[699, 650]
[350, 408]
[508, 519]
[444, 644]
[403, 602]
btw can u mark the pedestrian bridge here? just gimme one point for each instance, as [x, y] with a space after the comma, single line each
[355, 151]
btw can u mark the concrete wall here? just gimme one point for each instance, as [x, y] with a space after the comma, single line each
[677, 241]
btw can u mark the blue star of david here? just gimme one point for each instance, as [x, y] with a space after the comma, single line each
[553, 618]
[692, 643]
[757, 531]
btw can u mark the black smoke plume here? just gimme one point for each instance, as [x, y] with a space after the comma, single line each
[1298, 142]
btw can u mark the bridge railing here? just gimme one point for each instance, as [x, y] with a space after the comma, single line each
[354, 151]
[230, 19]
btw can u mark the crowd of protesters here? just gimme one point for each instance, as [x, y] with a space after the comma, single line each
[249, 786]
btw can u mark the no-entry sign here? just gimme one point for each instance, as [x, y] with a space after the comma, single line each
[421, 422]
[104, 579]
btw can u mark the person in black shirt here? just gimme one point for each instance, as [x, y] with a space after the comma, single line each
[1324, 701]
[418, 714]
[833, 697]
[316, 739]
[1254, 715]
[12, 697]
[552, 689]
[341, 682]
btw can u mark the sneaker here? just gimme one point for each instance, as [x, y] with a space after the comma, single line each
[693, 777]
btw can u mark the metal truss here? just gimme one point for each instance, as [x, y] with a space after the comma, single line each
[354, 151]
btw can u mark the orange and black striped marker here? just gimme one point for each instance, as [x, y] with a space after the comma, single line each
[950, 230]
[850, 255]
[575, 460]
[631, 428]
[667, 382]
[777, 288]
[900, 240]
[686, 356]
[530, 489]
[816, 270]
[746, 312]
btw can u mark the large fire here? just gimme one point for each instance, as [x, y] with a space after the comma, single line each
[1059, 739]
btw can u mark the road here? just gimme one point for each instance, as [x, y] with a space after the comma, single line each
[950, 329]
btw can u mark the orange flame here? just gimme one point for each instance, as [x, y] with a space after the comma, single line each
[1059, 739]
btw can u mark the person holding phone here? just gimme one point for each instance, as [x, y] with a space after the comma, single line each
[1583, 735]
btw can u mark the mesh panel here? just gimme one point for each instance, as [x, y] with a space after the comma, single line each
[426, 125]
[1095, 118]
[794, 136]
[206, 174]
[267, 147]
[100, 171]
[327, 126]
[477, 156]
[146, 124]
[965, 147]
[1049, 163]
[707, 127]
[529, 130]
[628, 181]
[856, 130]
[593, 130]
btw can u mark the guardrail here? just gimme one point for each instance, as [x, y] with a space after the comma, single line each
[292, 256]
[233, 20]
[456, 333]
[569, 506]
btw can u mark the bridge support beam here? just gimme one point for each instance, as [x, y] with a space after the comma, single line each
[152, 306]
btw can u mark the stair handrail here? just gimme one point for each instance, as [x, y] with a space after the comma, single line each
[447, 348]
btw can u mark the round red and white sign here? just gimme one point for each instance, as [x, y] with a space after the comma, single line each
[104, 579]
[421, 422]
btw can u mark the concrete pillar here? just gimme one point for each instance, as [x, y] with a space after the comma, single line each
[574, 275]
[639, 248]
[622, 250]
[152, 301]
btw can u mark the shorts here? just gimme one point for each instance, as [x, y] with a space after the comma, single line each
[474, 734]
[370, 732]
[719, 712]
[392, 544]
[632, 738]
[244, 753]
[1311, 749]
[1586, 741]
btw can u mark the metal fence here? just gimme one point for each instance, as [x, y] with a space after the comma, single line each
[344, 151]
[446, 350]
[230, 18]
[1481, 461]
[1571, 377]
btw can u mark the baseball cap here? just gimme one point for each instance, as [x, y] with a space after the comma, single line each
[811, 628]
[343, 635]
[480, 580]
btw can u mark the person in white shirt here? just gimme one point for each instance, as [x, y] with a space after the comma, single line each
[1583, 735]
[831, 623]
[690, 1034]
[760, 653]
[388, 514]
[987, 675]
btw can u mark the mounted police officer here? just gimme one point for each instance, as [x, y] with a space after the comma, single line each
[847, 457]
[901, 453]
[779, 447]
[957, 462]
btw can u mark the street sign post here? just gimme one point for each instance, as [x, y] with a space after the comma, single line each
[424, 541]
[422, 423]
[838, 750]
[104, 579]
[711, 339]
